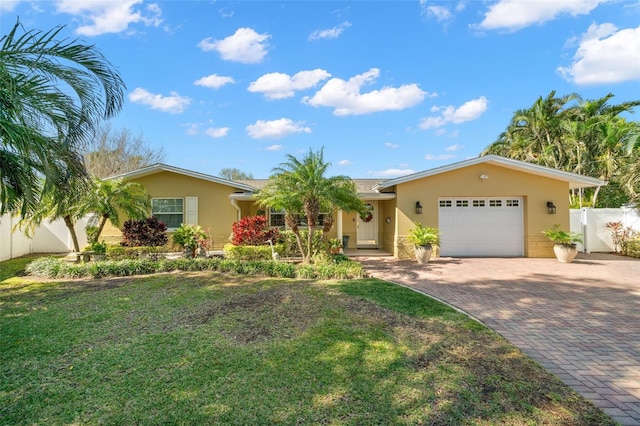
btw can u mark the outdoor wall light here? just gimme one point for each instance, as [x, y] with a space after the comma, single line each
[484, 177]
[418, 207]
[388, 219]
[551, 208]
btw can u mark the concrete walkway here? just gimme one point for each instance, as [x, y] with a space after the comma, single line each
[581, 320]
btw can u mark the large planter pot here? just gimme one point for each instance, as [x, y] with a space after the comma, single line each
[565, 253]
[423, 253]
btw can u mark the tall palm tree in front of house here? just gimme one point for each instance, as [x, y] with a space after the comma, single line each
[109, 199]
[299, 186]
[53, 94]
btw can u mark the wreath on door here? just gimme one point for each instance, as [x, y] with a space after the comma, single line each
[366, 218]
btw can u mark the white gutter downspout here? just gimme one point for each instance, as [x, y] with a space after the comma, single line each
[234, 203]
[339, 228]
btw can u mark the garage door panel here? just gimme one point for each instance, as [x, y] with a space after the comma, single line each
[481, 226]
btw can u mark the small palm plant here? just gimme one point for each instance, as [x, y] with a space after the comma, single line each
[423, 239]
[334, 245]
[563, 238]
[565, 243]
[423, 235]
[192, 238]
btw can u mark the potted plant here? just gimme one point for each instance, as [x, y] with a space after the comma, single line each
[334, 245]
[98, 250]
[565, 243]
[423, 239]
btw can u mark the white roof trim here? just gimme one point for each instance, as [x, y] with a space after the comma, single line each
[159, 167]
[377, 195]
[242, 196]
[575, 180]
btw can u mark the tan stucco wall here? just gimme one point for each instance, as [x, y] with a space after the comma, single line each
[215, 211]
[466, 182]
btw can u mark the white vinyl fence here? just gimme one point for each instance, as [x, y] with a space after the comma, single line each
[49, 237]
[591, 223]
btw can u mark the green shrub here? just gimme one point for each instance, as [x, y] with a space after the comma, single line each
[290, 249]
[631, 247]
[45, 267]
[193, 239]
[55, 268]
[117, 252]
[252, 252]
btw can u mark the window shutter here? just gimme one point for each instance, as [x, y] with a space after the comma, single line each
[191, 211]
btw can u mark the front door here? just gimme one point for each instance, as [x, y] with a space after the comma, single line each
[367, 227]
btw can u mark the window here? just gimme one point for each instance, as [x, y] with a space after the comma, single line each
[495, 203]
[478, 203]
[512, 203]
[302, 220]
[462, 203]
[276, 218]
[445, 203]
[169, 211]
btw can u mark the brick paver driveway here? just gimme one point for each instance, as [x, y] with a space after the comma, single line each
[581, 320]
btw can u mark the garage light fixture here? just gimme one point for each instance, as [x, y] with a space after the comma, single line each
[418, 207]
[484, 177]
[551, 208]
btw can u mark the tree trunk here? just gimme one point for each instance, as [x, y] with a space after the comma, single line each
[594, 199]
[292, 223]
[103, 221]
[72, 230]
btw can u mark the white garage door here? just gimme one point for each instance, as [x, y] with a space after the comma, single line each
[491, 226]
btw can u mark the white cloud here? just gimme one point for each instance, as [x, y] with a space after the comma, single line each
[344, 163]
[605, 56]
[431, 157]
[214, 81]
[389, 173]
[217, 132]
[245, 45]
[276, 129]
[274, 148]
[391, 145]
[277, 85]
[441, 13]
[455, 147]
[330, 32]
[108, 16]
[469, 111]
[173, 104]
[346, 99]
[514, 15]
[8, 5]
[192, 128]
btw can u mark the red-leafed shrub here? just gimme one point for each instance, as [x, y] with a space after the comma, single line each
[253, 231]
[144, 232]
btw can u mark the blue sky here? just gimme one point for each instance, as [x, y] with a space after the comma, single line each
[387, 88]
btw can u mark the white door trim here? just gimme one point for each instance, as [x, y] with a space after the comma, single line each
[367, 232]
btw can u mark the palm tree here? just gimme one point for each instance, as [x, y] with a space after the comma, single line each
[301, 187]
[63, 201]
[53, 94]
[108, 199]
[588, 137]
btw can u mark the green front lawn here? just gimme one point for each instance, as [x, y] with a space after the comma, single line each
[216, 348]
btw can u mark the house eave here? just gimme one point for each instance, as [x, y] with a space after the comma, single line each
[574, 180]
[159, 167]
